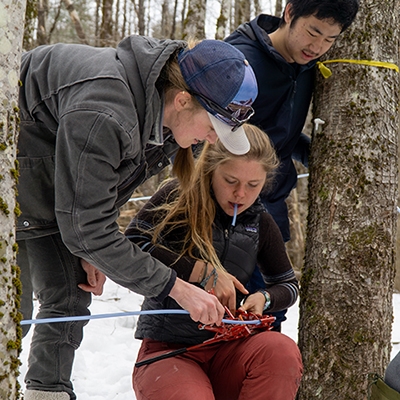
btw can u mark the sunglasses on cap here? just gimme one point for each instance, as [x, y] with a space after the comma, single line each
[235, 114]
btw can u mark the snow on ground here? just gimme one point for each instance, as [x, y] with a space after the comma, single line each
[104, 362]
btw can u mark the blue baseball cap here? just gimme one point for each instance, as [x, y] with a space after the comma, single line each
[223, 82]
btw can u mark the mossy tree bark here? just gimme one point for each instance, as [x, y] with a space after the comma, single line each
[347, 281]
[69, 5]
[242, 12]
[194, 25]
[11, 33]
[223, 20]
[278, 8]
[107, 26]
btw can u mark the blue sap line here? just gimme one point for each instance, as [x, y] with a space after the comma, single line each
[123, 314]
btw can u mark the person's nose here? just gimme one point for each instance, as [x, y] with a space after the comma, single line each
[211, 137]
[240, 191]
[316, 45]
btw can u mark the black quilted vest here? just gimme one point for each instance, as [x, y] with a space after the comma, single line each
[237, 248]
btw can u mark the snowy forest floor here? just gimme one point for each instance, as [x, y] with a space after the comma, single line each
[104, 362]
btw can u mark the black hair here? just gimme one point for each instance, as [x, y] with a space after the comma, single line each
[342, 12]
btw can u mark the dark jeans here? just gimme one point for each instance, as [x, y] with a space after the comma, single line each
[53, 273]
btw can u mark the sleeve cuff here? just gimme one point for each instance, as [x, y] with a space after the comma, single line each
[167, 287]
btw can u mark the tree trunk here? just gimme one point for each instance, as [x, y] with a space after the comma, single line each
[117, 38]
[106, 31]
[257, 7]
[223, 20]
[76, 21]
[183, 14]
[194, 26]
[165, 20]
[42, 11]
[347, 281]
[295, 247]
[397, 277]
[174, 15]
[242, 12]
[141, 17]
[29, 26]
[12, 12]
[278, 8]
[124, 19]
[97, 23]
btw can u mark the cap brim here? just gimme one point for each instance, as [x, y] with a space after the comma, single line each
[235, 142]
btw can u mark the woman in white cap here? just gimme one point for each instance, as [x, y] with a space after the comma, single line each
[95, 123]
[213, 231]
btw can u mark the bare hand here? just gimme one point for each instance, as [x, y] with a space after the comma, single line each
[254, 303]
[95, 279]
[225, 290]
[202, 306]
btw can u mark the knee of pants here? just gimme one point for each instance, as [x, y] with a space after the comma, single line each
[26, 307]
[171, 379]
[283, 353]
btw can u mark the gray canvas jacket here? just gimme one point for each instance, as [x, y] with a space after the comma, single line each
[87, 116]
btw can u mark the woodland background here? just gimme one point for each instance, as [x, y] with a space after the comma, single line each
[106, 22]
[343, 217]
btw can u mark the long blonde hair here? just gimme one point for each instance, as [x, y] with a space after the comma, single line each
[172, 80]
[192, 209]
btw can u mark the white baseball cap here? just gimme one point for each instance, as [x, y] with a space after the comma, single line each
[236, 141]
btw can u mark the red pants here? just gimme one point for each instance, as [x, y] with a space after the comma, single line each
[266, 366]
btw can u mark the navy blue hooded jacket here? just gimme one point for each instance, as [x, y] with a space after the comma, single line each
[284, 96]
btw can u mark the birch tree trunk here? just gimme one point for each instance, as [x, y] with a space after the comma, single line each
[195, 21]
[223, 20]
[347, 282]
[11, 36]
[257, 7]
[124, 19]
[278, 8]
[242, 12]
[165, 20]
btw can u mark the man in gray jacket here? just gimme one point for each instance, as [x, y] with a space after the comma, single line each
[93, 121]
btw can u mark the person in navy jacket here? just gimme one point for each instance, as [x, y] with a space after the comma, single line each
[283, 53]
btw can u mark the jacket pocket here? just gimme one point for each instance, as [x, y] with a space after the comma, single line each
[36, 193]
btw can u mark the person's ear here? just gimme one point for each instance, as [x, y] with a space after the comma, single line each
[182, 100]
[287, 14]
